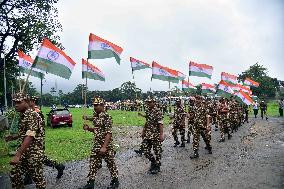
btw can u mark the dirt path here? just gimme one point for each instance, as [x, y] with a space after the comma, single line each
[253, 158]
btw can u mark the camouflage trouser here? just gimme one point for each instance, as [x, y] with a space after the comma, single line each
[205, 133]
[33, 168]
[224, 127]
[49, 162]
[157, 148]
[190, 129]
[181, 131]
[215, 121]
[234, 121]
[96, 163]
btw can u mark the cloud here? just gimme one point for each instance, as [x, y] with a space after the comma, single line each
[229, 35]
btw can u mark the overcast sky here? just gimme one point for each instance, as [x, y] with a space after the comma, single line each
[230, 35]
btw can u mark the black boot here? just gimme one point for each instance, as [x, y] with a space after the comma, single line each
[176, 143]
[90, 185]
[188, 139]
[156, 169]
[60, 168]
[113, 184]
[182, 144]
[209, 148]
[222, 140]
[229, 136]
[139, 152]
[28, 180]
[194, 155]
[152, 166]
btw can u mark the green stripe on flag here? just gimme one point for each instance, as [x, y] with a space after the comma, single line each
[165, 78]
[52, 67]
[199, 74]
[102, 54]
[92, 76]
[139, 67]
[33, 73]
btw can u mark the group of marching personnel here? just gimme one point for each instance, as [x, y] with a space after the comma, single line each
[201, 113]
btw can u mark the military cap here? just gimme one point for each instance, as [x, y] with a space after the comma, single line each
[178, 100]
[34, 98]
[18, 97]
[150, 99]
[98, 101]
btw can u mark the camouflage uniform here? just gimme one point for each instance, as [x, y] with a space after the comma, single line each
[154, 117]
[31, 159]
[200, 127]
[214, 113]
[224, 121]
[233, 116]
[190, 121]
[179, 124]
[102, 125]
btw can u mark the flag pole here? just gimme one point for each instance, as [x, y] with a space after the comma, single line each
[41, 78]
[170, 108]
[86, 85]
[25, 83]
[5, 88]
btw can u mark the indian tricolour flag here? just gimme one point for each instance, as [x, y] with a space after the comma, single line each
[181, 76]
[25, 64]
[224, 89]
[53, 60]
[164, 73]
[138, 64]
[100, 49]
[207, 88]
[229, 78]
[251, 82]
[92, 72]
[245, 89]
[245, 98]
[187, 86]
[200, 70]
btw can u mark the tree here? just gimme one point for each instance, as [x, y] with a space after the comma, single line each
[24, 24]
[130, 91]
[267, 85]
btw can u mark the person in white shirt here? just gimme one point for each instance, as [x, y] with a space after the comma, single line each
[255, 108]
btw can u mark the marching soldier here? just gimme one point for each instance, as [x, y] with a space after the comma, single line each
[224, 127]
[46, 161]
[153, 135]
[29, 156]
[179, 123]
[190, 118]
[102, 146]
[200, 126]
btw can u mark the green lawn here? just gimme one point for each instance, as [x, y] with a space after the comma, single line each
[67, 144]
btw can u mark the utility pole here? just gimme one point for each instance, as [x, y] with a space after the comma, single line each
[5, 89]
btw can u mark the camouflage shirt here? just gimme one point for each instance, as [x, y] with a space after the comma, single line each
[102, 125]
[154, 117]
[179, 114]
[200, 113]
[30, 124]
[191, 108]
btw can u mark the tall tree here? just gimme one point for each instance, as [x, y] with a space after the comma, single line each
[267, 85]
[23, 25]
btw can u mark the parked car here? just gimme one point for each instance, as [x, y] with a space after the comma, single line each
[78, 106]
[59, 117]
